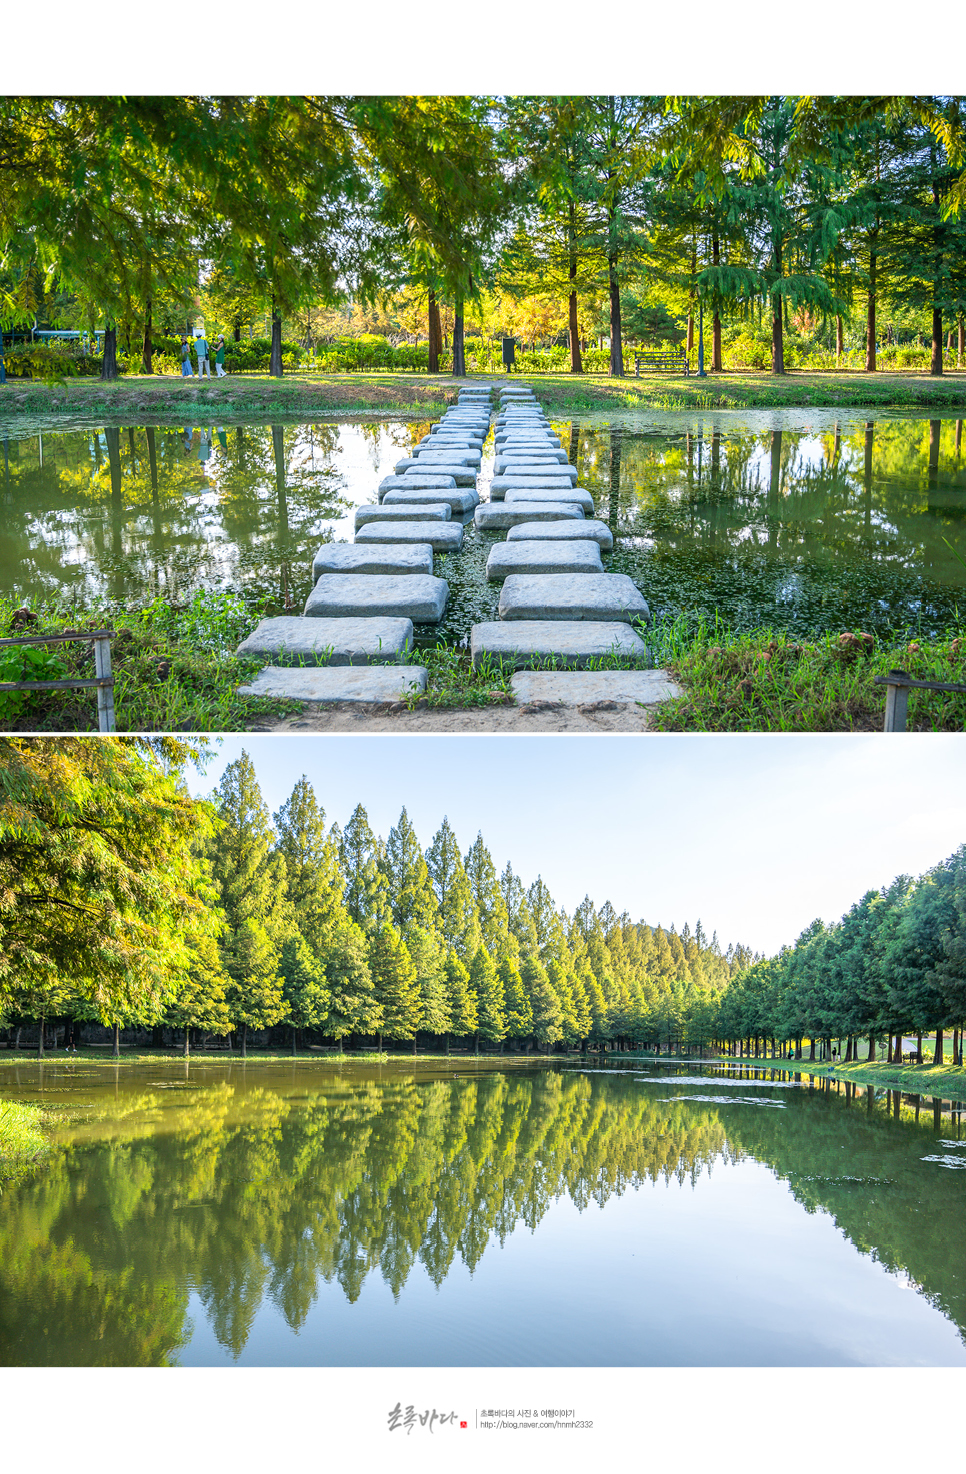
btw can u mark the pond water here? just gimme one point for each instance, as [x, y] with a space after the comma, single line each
[563, 1215]
[802, 520]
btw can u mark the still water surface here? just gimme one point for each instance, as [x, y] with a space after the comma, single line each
[803, 520]
[518, 1216]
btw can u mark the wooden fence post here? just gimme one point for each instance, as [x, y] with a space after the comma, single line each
[105, 694]
[897, 700]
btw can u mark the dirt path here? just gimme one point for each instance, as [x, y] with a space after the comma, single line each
[537, 717]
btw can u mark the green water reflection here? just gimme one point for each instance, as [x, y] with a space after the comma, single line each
[799, 521]
[316, 1215]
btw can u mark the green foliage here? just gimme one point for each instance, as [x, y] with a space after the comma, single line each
[26, 663]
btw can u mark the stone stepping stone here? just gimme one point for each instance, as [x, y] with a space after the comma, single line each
[572, 556]
[442, 537]
[495, 516]
[582, 687]
[527, 466]
[562, 531]
[462, 475]
[532, 454]
[573, 644]
[460, 499]
[417, 596]
[291, 639]
[549, 480]
[569, 596]
[516, 493]
[405, 559]
[424, 482]
[451, 438]
[454, 453]
[378, 683]
[526, 439]
[414, 511]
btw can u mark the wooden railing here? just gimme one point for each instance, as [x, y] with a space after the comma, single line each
[898, 685]
[103, 680]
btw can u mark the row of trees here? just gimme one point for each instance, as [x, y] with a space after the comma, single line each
[895, 965]
[777, 213]
[124, 900]
[212, 917]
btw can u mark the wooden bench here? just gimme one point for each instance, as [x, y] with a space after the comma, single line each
[662, 360]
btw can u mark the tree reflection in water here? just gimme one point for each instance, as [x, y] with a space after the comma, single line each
[267, 1185]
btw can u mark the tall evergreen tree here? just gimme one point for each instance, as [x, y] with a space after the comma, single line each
[486, 984]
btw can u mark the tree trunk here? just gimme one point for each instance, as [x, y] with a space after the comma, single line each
[918, 1049]
[117, 1041]
[187, 1041]
[459, 355]
[576, 362]
[435, 334]
[415, 1037]
[147, 349]
[936, 362]
[294, 1041]
[275, 362]
[244, 1041]
[40, 1041]
[716, 319]
[777, 339]
[109, 365]
[960, 342]
[616, 350]
[870, 363]
[811, 1052]
[236, 331]
[694, 268]
[937, 1058]
[839, 340]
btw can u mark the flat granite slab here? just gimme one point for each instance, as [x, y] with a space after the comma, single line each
[453, 454]
[405, 559]
[531, 455]
[571, 644]
[376, 683]
[442, 537]
[583, 687]
[514, 494]
[557, 531]
[426, 482]
[573, 556]
[417, 596]
[414, 511]
[462, 475]
[461, 439]
[493, 516]
[540, 440]
[460, 499]
[551, 596]
[291, 639]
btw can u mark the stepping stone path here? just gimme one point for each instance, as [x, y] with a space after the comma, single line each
[368, 594]
[557, 604]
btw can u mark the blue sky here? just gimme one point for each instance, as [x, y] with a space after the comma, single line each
[756, 835]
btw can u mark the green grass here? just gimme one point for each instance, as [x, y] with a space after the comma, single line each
[240, 395]
[766, 681]
[22, 1140]
[175, 669]
[946, 1081]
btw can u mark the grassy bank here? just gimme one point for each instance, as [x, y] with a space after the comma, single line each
[766, 681]
[175, 669]
[22, 1140]
[947, 1082]
[242, 397]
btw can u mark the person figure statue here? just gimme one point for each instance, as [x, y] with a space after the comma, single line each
[220, 356]
[187, 372]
